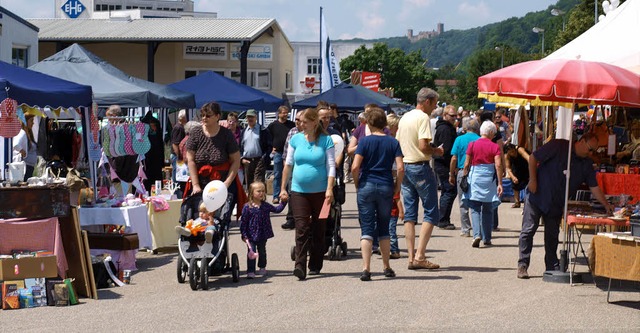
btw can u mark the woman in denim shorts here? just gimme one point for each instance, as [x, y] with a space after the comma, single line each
[372, 175]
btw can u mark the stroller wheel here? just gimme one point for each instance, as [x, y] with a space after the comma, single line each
[194, 274]
[293, 253]
[338, 255]
[344, 249]
[181, 270]
[235, 268]
[204, 273]
[332, 253]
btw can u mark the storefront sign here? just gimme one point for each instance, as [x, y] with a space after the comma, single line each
[73, 8]
[257, 52]
[208, 51]
[371, 80]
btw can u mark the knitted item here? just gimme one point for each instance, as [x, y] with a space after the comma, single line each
[141, 143]
[128, 140]
[120, 139]
[112, 141]
[106, 140]
[9, 122]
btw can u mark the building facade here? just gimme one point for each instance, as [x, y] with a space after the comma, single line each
[306, 66]
[97, 8]
[18, 40]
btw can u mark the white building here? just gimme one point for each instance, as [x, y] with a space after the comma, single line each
[306, 57]
[18, 40]
[101, 9]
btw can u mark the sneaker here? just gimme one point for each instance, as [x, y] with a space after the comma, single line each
[251, 275]
[314, 272]
[289, 225]
[522, 272]
[208, 236]
[262, 271]
[496, 229]
[424, 263]
[394, 255]
[465, 234]
[447, 227]
[182, 231]
[476, 242]
[388, 272]
[276, 201]
[365, 276]
[487, 243]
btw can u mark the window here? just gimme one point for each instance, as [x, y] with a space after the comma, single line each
[287, 81]
[118, 7]
[20, 56]
[313, 66]
[257, 78]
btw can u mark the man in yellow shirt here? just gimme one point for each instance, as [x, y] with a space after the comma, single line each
[419, 183]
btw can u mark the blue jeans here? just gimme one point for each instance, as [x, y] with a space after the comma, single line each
[420, 183]
[261, 249]
[393, 235]
[465, 222]
[481, 219]
[278, 165]
[374, 208]
[174, 159]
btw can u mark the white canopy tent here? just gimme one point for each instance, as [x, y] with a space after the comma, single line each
[613, 40]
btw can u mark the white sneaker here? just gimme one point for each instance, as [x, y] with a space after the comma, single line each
[182, 231]
[208, 236]
[262, 271]
[251, 275]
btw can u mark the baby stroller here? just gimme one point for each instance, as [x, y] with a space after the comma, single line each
[336, 246]
[197, 259]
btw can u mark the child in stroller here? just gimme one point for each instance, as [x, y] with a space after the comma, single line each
[204, 251]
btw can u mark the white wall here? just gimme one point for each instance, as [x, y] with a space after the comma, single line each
[15, 33]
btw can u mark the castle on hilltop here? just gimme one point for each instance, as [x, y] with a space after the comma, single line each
[425, 34]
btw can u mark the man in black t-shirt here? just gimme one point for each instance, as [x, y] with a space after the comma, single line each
[279, 130]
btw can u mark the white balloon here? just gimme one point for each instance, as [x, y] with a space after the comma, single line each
[601, 17]
[615, 3]
[338, 143]
[214, 195]
[605, 6]
[611, 8]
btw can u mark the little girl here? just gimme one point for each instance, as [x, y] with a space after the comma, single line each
[256, 226]
[204, 223]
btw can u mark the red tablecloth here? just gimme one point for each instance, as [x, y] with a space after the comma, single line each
[34, 236]
[583, 220]
[618, 183]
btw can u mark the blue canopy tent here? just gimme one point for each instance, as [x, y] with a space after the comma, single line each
[111, 85]
[350, 97]
[231, 95]
[37, 89]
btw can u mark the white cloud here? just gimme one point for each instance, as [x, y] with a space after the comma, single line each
[409, 8]
[476, 12]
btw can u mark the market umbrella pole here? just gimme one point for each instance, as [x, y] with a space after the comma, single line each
[564, 257]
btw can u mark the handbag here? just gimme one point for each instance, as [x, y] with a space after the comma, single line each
[464, 183]
[600, 129]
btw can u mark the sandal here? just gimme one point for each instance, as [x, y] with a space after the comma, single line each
[516, 205]
[365, 276]
[388, 272]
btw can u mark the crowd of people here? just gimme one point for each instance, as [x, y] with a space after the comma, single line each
[396, 164]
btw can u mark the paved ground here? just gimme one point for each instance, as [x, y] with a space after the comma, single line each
[475, 290]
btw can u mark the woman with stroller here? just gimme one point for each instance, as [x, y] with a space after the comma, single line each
[313, 155]
[483, 167]
[213, 154]
[373, 177]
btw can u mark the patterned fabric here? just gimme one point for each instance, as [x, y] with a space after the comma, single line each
[141, 143]
[120, 139]
[9, 122]
[95, 153]
[106, 141]
[256, 222]
[128, 141]
[112, 141]
[95, 126]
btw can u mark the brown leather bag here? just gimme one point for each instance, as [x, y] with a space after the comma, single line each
[600, 129]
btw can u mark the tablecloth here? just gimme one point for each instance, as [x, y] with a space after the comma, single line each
[615, 258]
[34, 236]
[163, 225]
[133, 217]
[618, 183]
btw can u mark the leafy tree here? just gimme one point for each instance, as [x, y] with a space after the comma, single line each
[405, 73]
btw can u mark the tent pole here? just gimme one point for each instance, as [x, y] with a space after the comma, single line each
[563, 253]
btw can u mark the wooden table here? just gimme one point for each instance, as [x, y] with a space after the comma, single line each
[615, 259]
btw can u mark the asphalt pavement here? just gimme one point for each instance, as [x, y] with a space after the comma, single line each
[475, 289]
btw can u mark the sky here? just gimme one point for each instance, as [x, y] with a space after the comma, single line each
[345, 19]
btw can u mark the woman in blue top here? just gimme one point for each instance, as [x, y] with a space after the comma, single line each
[313, 155]
[372, 175]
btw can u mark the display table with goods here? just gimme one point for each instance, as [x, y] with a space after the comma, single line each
[36, 222]
[615, 256]
[620, 183]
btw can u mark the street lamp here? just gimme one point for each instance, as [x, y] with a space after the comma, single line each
[538, 31]
[501, 49]
[558, 12]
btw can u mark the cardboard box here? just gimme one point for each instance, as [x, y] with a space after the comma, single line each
[29, 267]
